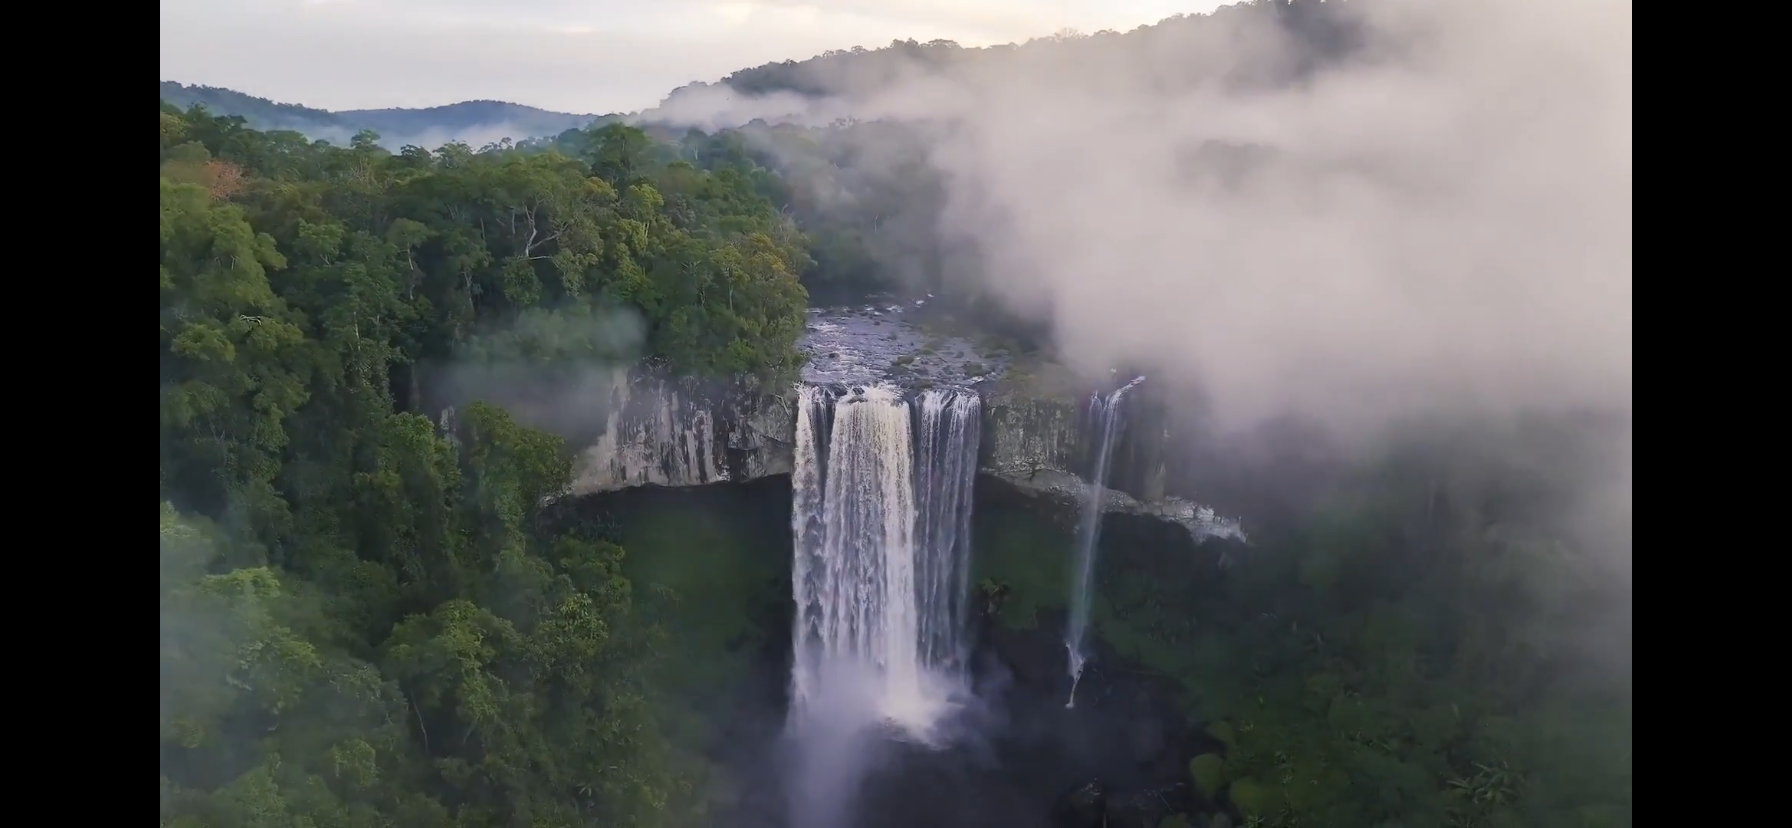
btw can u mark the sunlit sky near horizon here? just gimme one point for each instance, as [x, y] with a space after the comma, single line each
[595, 56]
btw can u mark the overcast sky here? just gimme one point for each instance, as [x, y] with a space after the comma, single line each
[586, 56]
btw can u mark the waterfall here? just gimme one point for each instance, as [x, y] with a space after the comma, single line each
[950, 424]
[1104, 419]
[814, 417]
[881, 515]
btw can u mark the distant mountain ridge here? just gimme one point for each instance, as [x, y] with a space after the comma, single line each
[474, 122]
[1313, 34]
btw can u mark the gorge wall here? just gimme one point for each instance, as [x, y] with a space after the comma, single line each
[681, 433]
[661, 431]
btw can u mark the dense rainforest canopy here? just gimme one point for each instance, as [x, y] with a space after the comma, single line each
[364, 621]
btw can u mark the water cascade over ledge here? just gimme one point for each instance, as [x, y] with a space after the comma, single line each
[881, 512]
[1104, 418]
[949, 425]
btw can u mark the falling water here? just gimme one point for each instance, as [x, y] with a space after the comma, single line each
[809, 569]
[950, 424]
[881, 520]
[1104, 417]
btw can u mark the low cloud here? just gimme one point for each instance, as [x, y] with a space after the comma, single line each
[1358, 216]
[553, 369]
[1439, 218]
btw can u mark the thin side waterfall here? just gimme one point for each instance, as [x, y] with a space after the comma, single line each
[881, 515]
[950, 423]
[1104, 417]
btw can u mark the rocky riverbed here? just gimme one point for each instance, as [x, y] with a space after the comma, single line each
[884, 342]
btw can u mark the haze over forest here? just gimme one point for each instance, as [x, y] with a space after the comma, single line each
[1373, 258]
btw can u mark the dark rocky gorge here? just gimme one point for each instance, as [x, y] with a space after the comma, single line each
[694, 480]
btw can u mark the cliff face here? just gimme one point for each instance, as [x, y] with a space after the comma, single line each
[1023, 436]
[684, 433]
[1044, 444]
[1036, 436]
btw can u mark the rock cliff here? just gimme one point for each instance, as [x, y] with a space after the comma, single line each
[663, 432]
[683, 433]
[1041, 442]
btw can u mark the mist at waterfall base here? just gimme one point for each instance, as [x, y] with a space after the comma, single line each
[1104, 420]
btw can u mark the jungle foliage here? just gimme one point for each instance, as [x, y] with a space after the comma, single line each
[366, 619]
[1433, 641]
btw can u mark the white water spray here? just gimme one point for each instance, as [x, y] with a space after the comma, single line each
[1104, 417]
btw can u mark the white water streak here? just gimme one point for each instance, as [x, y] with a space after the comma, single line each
[945, 474]
[1104, 416]
[808, 566]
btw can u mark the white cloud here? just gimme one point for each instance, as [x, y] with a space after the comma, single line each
[1447, 226]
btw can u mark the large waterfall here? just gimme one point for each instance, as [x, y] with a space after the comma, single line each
[881, 513]
[1104, 420]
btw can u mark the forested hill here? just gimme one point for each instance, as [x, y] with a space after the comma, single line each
[865, 191]
[1178, 48]
[472, 122]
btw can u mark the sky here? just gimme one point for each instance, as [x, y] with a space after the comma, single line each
[594, 56]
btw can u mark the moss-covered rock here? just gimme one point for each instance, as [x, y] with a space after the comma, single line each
[1175, 821]
[1252, 798]
[1223, 732]
[1209, 774]
[1022, 548]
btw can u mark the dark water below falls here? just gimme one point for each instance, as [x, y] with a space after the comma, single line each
[1017, 758]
